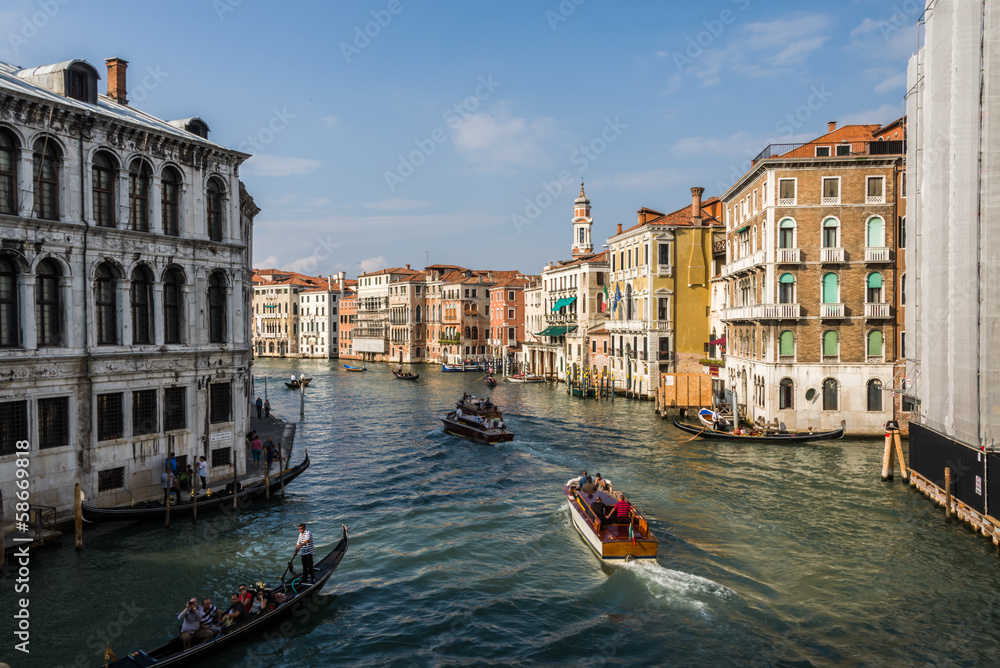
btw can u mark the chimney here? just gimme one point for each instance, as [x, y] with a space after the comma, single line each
[831, 126]
[340, 280]
[407, 267]
[116, 79]
[619, 228]
[696, 205]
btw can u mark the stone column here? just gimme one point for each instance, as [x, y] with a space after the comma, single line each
[158, 319]
[68, 324]
[189, 314]
[155, 206]
[25, 189]
[123, 203]
[26, 297]
[124, 312]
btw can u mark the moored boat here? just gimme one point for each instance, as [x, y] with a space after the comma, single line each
[155, 510]
[614, 540]
[761, 436]
[467, 365]
[358, 369]
[295, 594]
[713, 419]
[525, 378]
[478, 419]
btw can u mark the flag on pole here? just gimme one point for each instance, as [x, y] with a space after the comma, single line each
[604, 306]
[631, 534]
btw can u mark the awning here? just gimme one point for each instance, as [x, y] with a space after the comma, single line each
[718, 342]
[565, 301]
[556, 330]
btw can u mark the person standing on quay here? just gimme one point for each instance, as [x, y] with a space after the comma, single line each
[269, 452]
[267, 408]
[305, 543]
[260, 406]
[255, 446]
[203, 472]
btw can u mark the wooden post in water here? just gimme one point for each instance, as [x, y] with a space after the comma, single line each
[236, 480]
[3, 553]
[899, 455]
[267, 480]
[281, 470]
[194, 502]
[302, 400]
[166, 519]
[947, 494]
[887, 465]
[78, 515]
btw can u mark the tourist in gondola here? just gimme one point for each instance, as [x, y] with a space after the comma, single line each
[305, 544]
[190, 618]
[209, 617]
[235, 613]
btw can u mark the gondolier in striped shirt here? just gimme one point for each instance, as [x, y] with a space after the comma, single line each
[305, 543]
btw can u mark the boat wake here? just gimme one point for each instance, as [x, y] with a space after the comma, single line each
[677, 587]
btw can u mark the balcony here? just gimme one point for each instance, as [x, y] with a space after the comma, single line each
[665, 355]
[744, 263]
[843, 149]
[828, 255]
[877, 255]
[831, 310]
[875, 199]
[786, 359]
[628, 326]
[664, 270]
[786, 201]
[763, 312]
[788, 256]
[877, 311]
[642, 356]
[828, 201]
[875, 359]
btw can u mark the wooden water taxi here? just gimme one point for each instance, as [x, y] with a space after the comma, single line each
[478, 419]
[295, 593]
[614, 540]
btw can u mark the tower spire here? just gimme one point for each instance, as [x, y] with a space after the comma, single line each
[582, 223]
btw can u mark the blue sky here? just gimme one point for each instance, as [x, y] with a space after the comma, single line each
[389, 132]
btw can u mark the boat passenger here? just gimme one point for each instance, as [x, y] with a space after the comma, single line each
[190, 618]
[583, 480]
[458, 413]
[622, 509]
[234, 614]
[209, 617]
[601, 510]
[293, 377]
[246, 597]
[588, 487]
[602, 484]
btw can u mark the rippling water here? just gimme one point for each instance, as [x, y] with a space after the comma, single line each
[464, 554]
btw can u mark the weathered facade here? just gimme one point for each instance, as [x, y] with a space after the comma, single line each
[125, 289]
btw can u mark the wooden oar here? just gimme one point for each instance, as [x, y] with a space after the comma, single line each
[697, 435]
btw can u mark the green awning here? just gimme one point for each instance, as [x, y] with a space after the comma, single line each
[565, 301]
[556, 330]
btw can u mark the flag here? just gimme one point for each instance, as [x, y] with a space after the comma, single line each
[618, 298]
[604, 306]
[108, 654]
[631, 535]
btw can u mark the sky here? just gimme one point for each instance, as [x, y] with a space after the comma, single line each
[393, 132]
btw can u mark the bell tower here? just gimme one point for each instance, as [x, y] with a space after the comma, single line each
[582, 222]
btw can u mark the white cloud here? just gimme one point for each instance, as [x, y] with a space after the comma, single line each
[373, 264]
[890, 37]
[263, 164]
[890, 83]
[737, 143]
[330, 120]
[397, 204]
[266, 263]
[498, 141]
[306, 265]
[650, 179]
[887, 113]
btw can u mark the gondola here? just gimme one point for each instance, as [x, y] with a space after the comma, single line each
[296, 384]
[491, 381]
[155, 510]
[806, 437]
[405, 376]
[172, 653]
[357, 369]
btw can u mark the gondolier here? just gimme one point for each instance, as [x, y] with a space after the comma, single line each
[305, 543]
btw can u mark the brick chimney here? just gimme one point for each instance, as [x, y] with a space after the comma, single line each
[619, 228]
[407, 267]
[116, 80]
[831, 126]
[696, 205]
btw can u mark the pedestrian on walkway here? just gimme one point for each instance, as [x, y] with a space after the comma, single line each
[256, 446]
[267, 408]
[203, 472]
[260, 406]
[269, 452]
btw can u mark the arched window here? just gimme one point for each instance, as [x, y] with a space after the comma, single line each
[467, 333]
[48, 305]
[10, 326]
[628, 302]
[831, 289]
[141, 301]
[475, 333]
[170, 197]
[106, 305]
[786, 343]
[139, 176]
[786, 233]
[876, 233]
[416, 314]
[901, 232]
[830, 394]
[786, 289]
[786, 394]
[45, 175]
[830, 343]
[173, 302]
[875, 395]
[831, 233]
[875, 344]
[213, 207]
[217, 308]
[874, 292]
[8, 174]
[902, 290]
[103, 190]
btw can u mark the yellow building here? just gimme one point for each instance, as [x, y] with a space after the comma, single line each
[659, 293]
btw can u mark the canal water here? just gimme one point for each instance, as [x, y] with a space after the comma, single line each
[463, 554]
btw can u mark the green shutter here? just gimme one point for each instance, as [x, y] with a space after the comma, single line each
[830, 289]
[875, 280]
[830, 343]
[786, 344]
[787, 278]
[875, 343]
[875, 239]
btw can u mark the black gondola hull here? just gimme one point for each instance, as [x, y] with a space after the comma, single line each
[705, 432]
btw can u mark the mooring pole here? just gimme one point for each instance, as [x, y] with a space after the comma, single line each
[267, 479]
[887, 454]
[899, 455]
[281, 470]
[947, 494]
[170, 489]
[78, 515]
[302, 400]
[236, 480]
[194, 502]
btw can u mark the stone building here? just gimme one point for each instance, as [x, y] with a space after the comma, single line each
[507, 318]
[124, 289]
[348, 319]
[371, 333]
[812, 331]
[319, 319]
